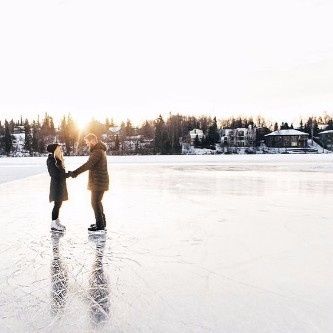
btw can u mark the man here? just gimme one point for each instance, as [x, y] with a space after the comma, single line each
[98, 178]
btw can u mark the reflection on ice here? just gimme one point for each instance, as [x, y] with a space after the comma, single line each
[98, 284]
[59, 277]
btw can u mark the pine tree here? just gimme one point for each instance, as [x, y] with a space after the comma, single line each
[52, 127]
[96, 127]
[129, 128]
[161, 139]
[301, 127]
[147, 130]
[213, 135]
[158, 139]
[315, 127]
[330, 124]
[41, 145]
[173, 134]
[73, 135]
[11, 126]
[2, 129]
[204, 123]
[69, 133]
[116, 143]
[28, 137]
[107, 124]
[35, 137]
[8, 138]
[63, 132]
[196, 141]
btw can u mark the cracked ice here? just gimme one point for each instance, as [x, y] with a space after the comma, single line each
[194, 244]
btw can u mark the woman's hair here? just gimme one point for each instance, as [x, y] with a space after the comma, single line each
[59, 156]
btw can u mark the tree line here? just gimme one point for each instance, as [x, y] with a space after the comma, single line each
[161, 136]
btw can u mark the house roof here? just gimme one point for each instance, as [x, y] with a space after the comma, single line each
[196, 132]
[326, 132]
[114, 129]
[286, 132]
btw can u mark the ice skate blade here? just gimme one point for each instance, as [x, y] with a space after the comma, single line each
[53, 230]
[97, 232]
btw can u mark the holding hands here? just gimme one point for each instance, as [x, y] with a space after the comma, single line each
[71, 174]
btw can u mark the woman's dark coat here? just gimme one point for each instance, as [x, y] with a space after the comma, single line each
[98, 168]
[58, 188]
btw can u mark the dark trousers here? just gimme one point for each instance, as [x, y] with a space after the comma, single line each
[55, 210]
[96, 203]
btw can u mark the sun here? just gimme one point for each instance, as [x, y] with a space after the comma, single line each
[81, 124]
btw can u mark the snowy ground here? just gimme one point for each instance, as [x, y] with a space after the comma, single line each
[194, 244]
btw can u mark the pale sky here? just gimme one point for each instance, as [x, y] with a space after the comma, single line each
[138, 58]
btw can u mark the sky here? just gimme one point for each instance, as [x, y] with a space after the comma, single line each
[137, 59]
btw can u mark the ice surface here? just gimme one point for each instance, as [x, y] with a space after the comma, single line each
[194, 244]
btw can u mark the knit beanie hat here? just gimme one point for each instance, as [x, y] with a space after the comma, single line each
[51, 148]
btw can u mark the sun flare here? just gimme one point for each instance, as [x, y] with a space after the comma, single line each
[81, 124]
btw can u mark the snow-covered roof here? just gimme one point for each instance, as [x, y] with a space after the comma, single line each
[114, 129]
[322, 126]
[326, 132]
[19, 135]
[237, 129]
[286, 132]
[196, 132]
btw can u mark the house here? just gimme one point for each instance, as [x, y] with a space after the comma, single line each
[238, 137]
[288, 138]
[196, 132]
[326, 138]
[322, 127]
[19, 129]
[18, 141]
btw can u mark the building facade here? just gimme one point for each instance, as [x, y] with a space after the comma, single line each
[196, 132]
[289, 138]
[238, 137]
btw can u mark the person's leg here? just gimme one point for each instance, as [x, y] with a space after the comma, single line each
[96, 198]
[102, 208]
[56, 209]
[104, 219]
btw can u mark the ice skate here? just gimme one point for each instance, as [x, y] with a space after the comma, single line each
[59, 223]
[93, 225]
[94, 230]
[56, 227]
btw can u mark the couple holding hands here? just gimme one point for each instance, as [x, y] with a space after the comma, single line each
[98, 181]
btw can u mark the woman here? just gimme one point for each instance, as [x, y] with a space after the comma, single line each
[58, 188]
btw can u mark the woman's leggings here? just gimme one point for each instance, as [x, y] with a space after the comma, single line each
[55, 210]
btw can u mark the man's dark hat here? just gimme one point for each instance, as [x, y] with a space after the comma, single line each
[51, 148]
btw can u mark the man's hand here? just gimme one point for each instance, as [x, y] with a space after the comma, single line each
[70, 174]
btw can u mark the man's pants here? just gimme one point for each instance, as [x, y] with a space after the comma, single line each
[96, 203]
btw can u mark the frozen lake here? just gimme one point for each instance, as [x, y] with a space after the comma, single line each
[194, 244]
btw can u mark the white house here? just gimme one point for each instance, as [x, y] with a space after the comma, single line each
[18, 142]
[196, 132]
[238, 137]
